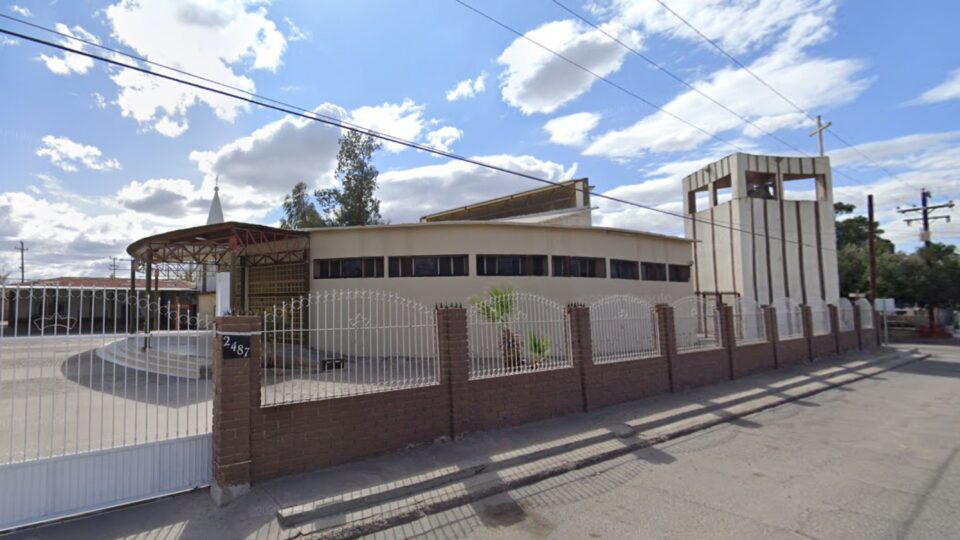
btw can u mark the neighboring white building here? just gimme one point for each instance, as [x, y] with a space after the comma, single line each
[764, 228]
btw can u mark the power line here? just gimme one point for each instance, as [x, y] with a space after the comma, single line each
[598, 76]
[799, 109]
[694, 88]
[389, 138]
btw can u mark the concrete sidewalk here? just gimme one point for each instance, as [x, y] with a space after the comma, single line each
[367, 496]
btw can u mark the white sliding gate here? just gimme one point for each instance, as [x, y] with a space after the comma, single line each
[104, 400]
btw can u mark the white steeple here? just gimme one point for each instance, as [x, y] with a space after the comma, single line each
[216, 212]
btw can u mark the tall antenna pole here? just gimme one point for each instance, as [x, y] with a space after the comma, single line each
[821, 127]
[872, 249]
[22, 249]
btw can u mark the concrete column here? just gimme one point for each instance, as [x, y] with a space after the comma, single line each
[728, 338]
[454, 360]
[668, 338]
[856, 326]
[236, 391]
[582, 346]
[773, 332]
[834, 327]
[807, 315]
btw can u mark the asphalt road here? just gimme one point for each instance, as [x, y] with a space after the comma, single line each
[875, 459]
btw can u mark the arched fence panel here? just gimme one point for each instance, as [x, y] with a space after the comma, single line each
[623, 328]
[845, 315]
[789, 318]
[338, 343]
[513, 332]
[696, 324]
[820, 316]
[866, 313]
[748, 322]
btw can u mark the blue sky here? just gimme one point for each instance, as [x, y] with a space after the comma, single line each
[95, 157]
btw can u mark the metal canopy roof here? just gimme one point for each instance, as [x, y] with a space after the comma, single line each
[211, 244]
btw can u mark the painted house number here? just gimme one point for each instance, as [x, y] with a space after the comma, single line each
[236, 346]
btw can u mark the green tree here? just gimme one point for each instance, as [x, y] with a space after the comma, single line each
[853, 252]
[299, 211]
[354, 202]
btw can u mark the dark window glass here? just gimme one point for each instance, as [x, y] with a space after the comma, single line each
[680, 273]
[425, 266]
[353, 267]
[653, 271]
[579, 266]
[620, 269]
[511, 265]
[428, 266]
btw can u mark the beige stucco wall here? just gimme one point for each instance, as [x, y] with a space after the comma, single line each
[497, 238]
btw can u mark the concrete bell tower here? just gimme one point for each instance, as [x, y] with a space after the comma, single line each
[764, 228]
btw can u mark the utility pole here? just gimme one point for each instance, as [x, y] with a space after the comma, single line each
[926, 210]
[22, 249]
[113, 267]
[821, 127]
[873, 249]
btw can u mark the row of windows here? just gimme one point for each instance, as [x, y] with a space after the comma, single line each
[498, 265]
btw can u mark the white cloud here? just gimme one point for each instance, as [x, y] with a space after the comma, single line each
[4, 40]
[69, 63]
[99, 101]
[20, 10]
[893, 152]
[948, 90]
[537, 81]
[404, 121]
[810, 82]
[219, 41]
[571, 130]
[68, 155]
[468, 88]
[408, 194]
[266, 164]
[296, 34]
[443, 138]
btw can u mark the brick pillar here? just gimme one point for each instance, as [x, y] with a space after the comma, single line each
[668, 338]
[728, 336]
[454, 360]
[856, 326]
[582, 345]
[236, 391]
[773, 332]
[807, 315]
[834, 327]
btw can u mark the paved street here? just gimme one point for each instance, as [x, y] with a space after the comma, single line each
[876, 459]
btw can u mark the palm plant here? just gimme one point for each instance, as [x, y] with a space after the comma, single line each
[498, 306]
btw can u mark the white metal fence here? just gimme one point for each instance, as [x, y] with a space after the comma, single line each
[845, 315]
[511, 332]
[338, 343]
[789, 318]
[91, 381]
[623, 328]
[696, 324]
[866, 313]
[748, 322]
[820, 315]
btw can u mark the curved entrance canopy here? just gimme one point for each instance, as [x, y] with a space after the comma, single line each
[219, 243]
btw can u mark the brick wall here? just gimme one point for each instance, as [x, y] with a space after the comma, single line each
[253, 443]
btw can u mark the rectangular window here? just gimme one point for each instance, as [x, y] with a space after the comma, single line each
[511, 265]
[352, 267]
[653, 271]
[428, 266]
[620, 269]
[680, 273]
[595, 267]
